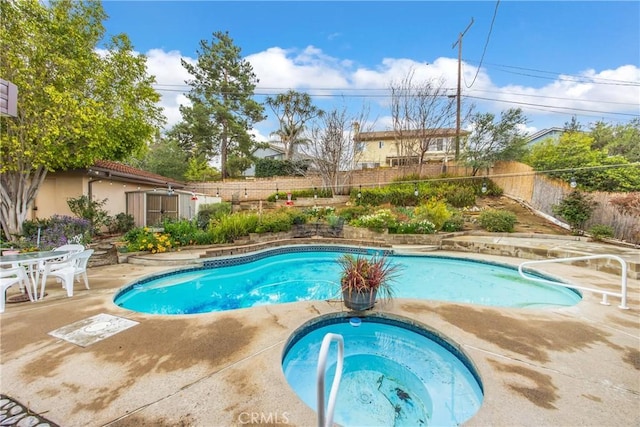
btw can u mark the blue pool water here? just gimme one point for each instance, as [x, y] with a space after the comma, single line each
[293, 274]
[394, 374]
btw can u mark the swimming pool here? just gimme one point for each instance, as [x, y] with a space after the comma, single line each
[311, 272]
[395, 373]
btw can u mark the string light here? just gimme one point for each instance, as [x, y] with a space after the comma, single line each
[463, 178]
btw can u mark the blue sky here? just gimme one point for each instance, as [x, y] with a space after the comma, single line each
[554, 59]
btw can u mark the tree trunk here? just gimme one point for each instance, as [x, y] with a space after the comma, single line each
[17, 193]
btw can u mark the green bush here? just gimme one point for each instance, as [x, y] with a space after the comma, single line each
[211, 211]
[145, 239]
[276, 167]
[414, 227]
[435, 211]
[56, 231]
[460, 197]
[576, 208]
[121, 223]
[91, 210]
[182, 232]
[454, 223]
[350, 213]
[232, 227]
[600, 231]
[273, 222]
[380, 220]
[495, 220]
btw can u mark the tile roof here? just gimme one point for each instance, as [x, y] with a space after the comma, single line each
[125, 171]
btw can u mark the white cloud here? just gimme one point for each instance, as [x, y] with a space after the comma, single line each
[327, 78]
[170, 81]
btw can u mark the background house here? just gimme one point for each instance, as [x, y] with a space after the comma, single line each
[391, 148]
[541, 135]
[272, 151]
[146, 196]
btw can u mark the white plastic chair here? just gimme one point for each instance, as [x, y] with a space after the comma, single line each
[73, 248]
[13, 276]
[68, 270]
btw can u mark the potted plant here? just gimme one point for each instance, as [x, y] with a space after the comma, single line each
[364, 278]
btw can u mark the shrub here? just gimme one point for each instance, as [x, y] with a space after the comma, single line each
[144, 239]
[627, 204]
[121, 223]
[600, 231]
[435, 211]
[182, 232]
[460, 197]
[273, 222]
[497, 220]
[350, 213]
[57, 231]
[91, 210]
[232, 227]
[576, 208]
[307, 193]
[414, 227]
[381, 220]
[211, 211]
[454, 223]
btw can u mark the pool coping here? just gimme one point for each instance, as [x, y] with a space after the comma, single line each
[544, 367]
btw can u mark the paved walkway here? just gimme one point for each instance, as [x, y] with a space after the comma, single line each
[571, 366]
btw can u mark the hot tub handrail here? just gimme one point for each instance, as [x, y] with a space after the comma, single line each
[623, 282]
[326, 418]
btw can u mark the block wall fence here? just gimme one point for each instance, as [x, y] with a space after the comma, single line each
[517, 180]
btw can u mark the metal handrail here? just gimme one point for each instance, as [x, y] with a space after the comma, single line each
[326, 419]
[623, 282]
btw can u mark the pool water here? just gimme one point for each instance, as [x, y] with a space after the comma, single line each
[314, 275]
[394, 374]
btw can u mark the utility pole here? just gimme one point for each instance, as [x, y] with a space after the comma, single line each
[459, 43]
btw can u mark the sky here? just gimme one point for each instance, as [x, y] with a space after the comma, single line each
[555, 60]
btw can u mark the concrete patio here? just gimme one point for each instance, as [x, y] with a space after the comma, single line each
[564, 367]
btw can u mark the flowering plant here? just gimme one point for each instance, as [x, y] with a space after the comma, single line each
[144, 239]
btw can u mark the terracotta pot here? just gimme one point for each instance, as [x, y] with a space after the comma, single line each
[359, 301]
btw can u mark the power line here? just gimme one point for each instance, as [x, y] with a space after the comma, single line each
[552, 106]
[557, 76]
[484, 50]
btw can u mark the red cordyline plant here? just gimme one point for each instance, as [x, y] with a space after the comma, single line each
[365, 275]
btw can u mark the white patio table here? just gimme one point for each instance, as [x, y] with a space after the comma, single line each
[33, 261]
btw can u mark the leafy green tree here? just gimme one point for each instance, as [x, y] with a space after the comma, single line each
[222, 109]
[198, 169]
[573, 156]
[75, 104]
[294, 110]
[492, 141]
[621, 139]
[164, 157]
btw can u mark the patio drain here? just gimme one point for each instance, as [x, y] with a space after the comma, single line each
[93, 329]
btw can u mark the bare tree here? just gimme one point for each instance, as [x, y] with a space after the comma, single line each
[420, 112]
[331, 148]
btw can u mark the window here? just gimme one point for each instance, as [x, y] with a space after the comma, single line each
[439, 144]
